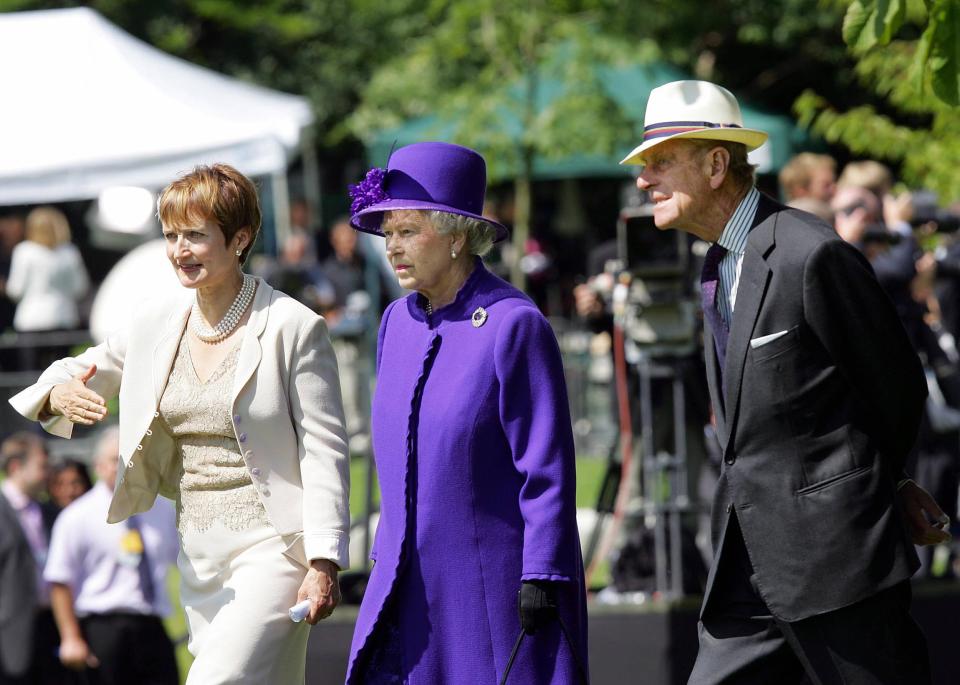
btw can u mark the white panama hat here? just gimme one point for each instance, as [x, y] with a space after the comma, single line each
[693, 109]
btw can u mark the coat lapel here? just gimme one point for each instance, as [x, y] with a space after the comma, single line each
[166, 349]
[755, 277]
[250, 349]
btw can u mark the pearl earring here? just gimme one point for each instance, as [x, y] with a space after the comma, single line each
[453, 254]
[239, 252]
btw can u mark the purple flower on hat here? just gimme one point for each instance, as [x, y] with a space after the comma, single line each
[369, 191]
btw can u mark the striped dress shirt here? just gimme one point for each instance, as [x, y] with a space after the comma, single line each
[734, 238]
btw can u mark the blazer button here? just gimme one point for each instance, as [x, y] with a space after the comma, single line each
[255, 471]
[243, 437]
[729, 460]
[236, 418]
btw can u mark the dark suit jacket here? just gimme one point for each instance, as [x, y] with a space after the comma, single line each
[18, 594]
[814, 425]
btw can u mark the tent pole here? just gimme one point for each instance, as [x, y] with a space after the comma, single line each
[281, 206]
[311, 178]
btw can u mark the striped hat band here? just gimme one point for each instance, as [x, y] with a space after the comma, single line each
[672, 128]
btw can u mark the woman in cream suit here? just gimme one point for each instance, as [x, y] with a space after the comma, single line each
[229, 405]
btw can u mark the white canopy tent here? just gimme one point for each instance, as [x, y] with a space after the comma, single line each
[88, 107]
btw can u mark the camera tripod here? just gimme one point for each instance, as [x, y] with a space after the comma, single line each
[662, 473]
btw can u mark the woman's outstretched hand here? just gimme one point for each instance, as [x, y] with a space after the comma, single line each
[322, 588]
[75, 401]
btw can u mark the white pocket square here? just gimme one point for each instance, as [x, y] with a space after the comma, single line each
[764, 339]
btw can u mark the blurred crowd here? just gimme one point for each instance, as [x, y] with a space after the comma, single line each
[80, 598]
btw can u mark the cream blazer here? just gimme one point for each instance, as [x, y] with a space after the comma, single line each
[287, 416]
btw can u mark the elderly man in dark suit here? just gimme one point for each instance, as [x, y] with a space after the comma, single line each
[817, 396]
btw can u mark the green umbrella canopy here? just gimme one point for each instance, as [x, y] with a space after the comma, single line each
[628, 85]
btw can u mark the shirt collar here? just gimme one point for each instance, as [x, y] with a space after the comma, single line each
[18, 500]
[734, 235]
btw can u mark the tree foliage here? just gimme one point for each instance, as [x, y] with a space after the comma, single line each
[908, 54]
[519, 80]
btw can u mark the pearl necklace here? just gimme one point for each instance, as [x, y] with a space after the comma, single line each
[230, 320]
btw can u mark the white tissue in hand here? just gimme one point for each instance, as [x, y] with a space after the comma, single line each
[300, 610]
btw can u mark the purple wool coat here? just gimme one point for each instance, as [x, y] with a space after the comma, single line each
[474, 453]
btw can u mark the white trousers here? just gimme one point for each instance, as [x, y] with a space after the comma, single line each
[236, 588]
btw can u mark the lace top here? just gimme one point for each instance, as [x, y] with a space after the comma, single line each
[214, 482]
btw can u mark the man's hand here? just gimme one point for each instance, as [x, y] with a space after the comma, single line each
[322, 588]
[76, 655]
[76, 402]
[897, 209]
[587, 301]
[920, 509]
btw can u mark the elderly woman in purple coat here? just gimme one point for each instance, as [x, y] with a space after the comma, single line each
[474, 451]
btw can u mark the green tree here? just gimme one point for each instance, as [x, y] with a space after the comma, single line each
[519, 80]
[908, 57]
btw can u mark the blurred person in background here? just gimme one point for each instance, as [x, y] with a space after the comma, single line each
[346, 268]
[11, 233]
[297, 273]
[891, 250]
[47, 275]
[69, 479]
[28, 635]
[809, 175]
[808, 182]
[47, 279]
[230, 406]
[108, 583]
[473, 447]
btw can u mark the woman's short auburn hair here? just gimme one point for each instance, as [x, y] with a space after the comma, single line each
[218, 193]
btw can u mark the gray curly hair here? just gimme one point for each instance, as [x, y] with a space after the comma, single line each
[480, 235]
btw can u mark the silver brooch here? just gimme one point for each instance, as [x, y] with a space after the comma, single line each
[479, 317]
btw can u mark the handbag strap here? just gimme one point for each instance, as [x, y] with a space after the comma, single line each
[513, 655]
[576, 659]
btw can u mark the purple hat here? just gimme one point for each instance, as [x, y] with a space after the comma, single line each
[430, 176]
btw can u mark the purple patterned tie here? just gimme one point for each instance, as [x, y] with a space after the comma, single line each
[709, 281]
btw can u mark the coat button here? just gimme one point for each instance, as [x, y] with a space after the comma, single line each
[236, 418]
[157, 414]
[729, 460]
[243, 437]
[266, 492]
[140, 447]
[255, 471]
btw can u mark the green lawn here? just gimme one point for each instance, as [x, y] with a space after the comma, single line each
[176, 625]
